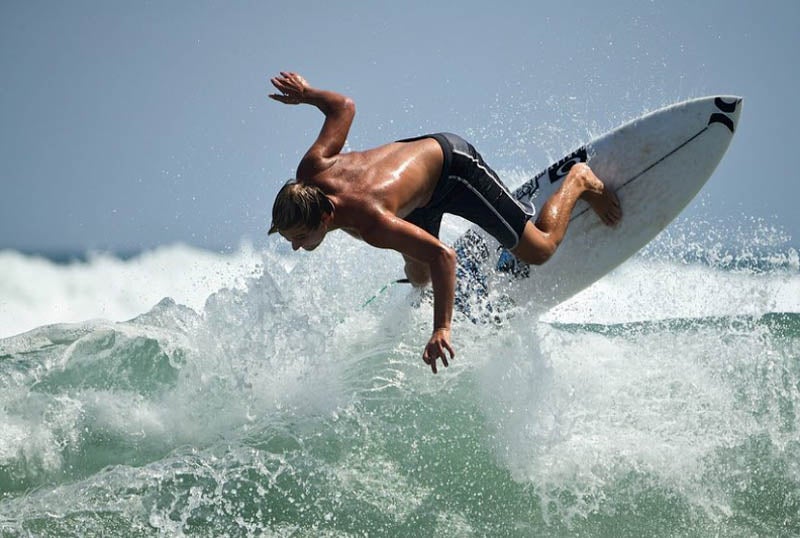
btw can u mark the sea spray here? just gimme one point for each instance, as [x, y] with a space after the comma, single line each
[35, 290]
[282, 407]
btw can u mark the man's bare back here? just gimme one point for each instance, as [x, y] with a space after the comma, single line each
[396, 178]
[383, 196]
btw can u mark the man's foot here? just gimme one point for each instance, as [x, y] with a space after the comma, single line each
[604, 201]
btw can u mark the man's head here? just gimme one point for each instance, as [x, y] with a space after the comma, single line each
[301, 214]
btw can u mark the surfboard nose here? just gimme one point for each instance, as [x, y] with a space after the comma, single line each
[738, 102]
[728, 108]
[729, 103]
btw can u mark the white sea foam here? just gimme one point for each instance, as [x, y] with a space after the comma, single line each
[651, 290]
[35, 291]
[279, 372]
[289, 363]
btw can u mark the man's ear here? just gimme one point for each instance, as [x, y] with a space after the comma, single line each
[327, 218]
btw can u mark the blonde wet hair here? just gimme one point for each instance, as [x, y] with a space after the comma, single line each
[297, 204]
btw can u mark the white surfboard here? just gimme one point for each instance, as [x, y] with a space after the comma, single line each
[656, 164]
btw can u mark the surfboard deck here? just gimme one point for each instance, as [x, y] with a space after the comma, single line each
[656, 164]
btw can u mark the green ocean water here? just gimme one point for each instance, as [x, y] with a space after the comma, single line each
[665, 401]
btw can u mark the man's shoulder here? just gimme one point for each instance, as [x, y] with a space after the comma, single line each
[358, 212]
[313, 165]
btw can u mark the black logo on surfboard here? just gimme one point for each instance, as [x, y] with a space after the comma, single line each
[559, 170]
[555, 173]
[722, 117]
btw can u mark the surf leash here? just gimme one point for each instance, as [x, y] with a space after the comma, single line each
[384, 288]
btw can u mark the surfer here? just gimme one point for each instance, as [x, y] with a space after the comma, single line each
[393, 196]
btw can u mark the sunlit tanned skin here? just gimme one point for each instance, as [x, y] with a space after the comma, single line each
[372, 191]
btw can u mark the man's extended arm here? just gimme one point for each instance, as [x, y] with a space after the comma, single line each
[339, 111]
[390, 231]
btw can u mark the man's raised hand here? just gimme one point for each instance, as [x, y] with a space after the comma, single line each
[292, 86]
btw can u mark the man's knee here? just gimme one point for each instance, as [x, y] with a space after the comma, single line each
[535, 254]
[418, 273]
[579, 170]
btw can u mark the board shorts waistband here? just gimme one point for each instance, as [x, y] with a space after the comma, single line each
[469, 188]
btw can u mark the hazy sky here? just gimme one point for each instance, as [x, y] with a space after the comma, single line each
[131, 124]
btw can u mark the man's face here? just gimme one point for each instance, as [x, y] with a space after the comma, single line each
[305, 238]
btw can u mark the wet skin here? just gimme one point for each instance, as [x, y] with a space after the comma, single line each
[371, 191]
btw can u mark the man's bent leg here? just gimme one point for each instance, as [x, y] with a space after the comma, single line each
[534, 247]
[540, 241]
[418, 273]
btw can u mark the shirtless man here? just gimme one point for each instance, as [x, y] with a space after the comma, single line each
[393, 196]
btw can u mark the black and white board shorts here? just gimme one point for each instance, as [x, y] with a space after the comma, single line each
[470, 189]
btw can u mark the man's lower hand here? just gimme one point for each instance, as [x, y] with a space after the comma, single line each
[437, 345]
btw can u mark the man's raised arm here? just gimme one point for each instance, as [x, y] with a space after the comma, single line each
[339, 111]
